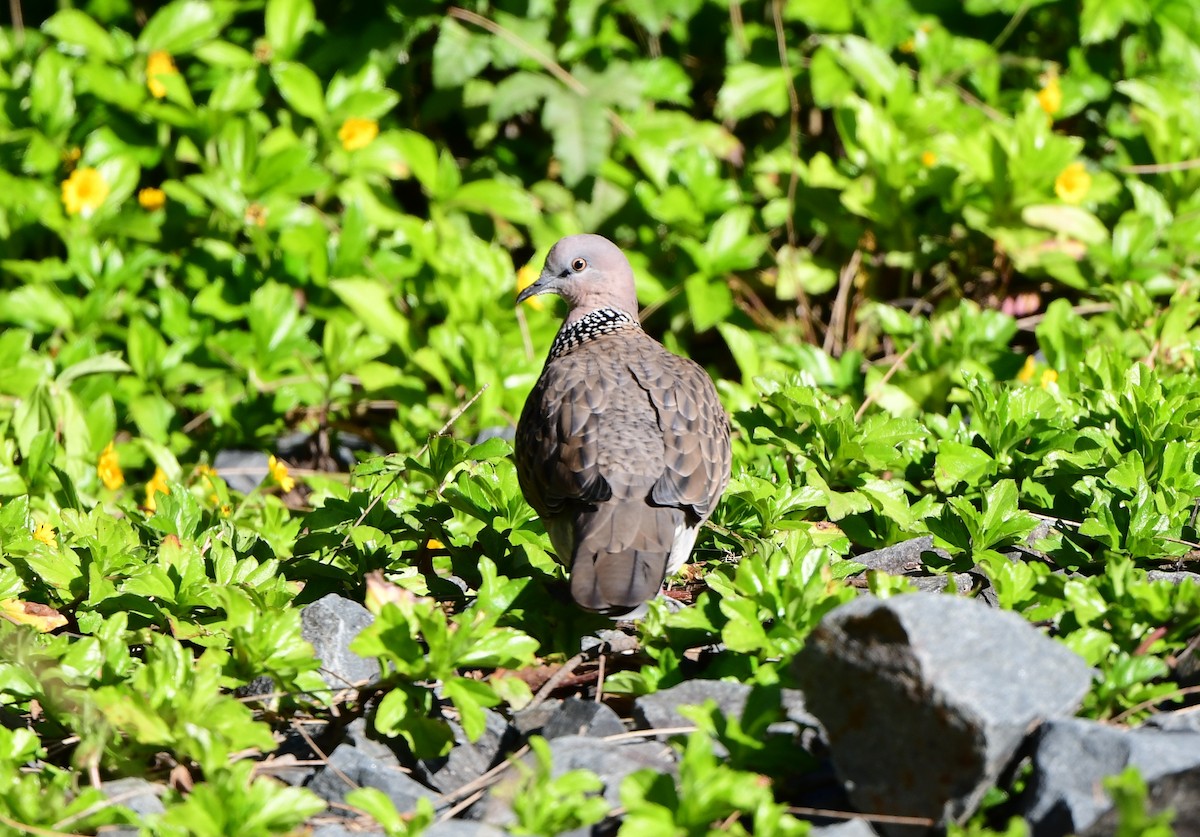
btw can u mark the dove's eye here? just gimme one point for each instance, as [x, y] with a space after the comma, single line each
[578, 265]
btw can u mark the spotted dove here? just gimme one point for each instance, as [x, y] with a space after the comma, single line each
[623, 447]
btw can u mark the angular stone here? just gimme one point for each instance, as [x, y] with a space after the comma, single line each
[925, 698]
[611, 761]
[1072, 757]
[330, 624]
[383, 773]
[138, 795]
[469, 759]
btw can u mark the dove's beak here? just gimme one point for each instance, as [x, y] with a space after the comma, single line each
[547, 283]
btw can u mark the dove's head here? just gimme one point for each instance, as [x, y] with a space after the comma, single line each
[590, 273]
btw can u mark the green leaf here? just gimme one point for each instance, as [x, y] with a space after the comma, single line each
[301, 88]
[181, 26]
[1071, 221]
[752, 88]
[287, 22]
[958, 463]
[496, 197]
[77, 28]
[582, 136]
[709, 301]
[372, 302]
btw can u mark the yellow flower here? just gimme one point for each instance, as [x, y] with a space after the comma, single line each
[434, 543]
[1072, 183]
[159, 63]
[256, 214]
[357, 133]
[908, 47]
[1026, 373]
[526, 276]
[109, 468]
[1050, 96]
[151, 198]
[928, 159]
[84, 191]
[279, 473]
[44, 532]
[1049, 377]
[157, 485]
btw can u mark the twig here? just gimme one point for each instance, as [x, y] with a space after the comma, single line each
[1161, 168]
[1012, 24]
[1033, 320]
[24, 828]
[1149, 704]
[557, 678]
[463, 805]
[115, 799]
[549, 64]
[841, 304]
[308, 739]
[891, 819]
[485, 779]
[650, 733]
[375, 500]
[887, 376]
[738, 25]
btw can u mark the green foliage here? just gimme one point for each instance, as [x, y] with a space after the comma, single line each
[711, 799]
[941, 262]
[417, 642]
[548, 805]
[1129, 795]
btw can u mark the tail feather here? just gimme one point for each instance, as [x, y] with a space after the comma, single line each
[621, 554]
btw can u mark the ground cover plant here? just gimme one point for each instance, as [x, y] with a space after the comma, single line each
[940, 258]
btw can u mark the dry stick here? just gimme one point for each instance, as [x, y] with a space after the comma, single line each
[890, 819]
[1161, 168]
[115, 799]
[462, 806]
[33, 829]
[321, 754]
[887, 376]
[794, 148]
[600, 678]
[1148, 704]
[650, 733]
[375, 500]
[549, 64]
[557, 678]
[1075, 524]
[841, 304]
[738, 25]
[1031, 322]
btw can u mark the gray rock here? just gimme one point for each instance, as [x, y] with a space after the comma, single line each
[582, 717]
[138, 795]
[1181, 720]
[1173, 577]
[960, 582]
[902, 558]
[469, 759]
[611, 761]
[849, 828]
[925, 698]
[660, 710]
[1071, 757]
[383, 773]
[330, 624]
[462, 828]
[339, 830]
[242, 470]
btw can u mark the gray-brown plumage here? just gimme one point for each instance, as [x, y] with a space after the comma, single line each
[623, 447]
